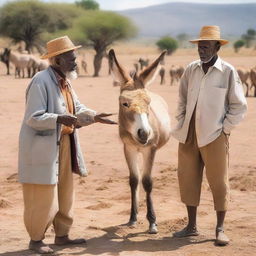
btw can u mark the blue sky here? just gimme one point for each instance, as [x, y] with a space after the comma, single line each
[129, 4]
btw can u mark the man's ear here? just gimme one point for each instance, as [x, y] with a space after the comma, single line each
[218, 45]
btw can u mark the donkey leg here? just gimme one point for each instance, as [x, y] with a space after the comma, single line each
[148, 157]
[131, 155]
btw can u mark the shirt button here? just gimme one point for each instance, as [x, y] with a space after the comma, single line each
[63, 104]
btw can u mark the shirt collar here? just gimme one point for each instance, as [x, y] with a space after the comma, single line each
[217, 64]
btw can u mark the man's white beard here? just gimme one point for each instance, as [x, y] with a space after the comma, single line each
[206, 61]
[72, 75]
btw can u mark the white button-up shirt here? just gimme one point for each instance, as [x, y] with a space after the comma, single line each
[218, 97]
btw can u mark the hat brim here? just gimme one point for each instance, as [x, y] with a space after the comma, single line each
[50, 55]
[222, 41]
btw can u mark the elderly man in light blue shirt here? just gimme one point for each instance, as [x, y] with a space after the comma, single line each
[211, 103]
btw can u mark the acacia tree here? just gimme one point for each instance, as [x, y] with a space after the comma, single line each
[238, 44]
[249, 37]
[99, 29]
[167, 43]
[27, 21]
[88, 4]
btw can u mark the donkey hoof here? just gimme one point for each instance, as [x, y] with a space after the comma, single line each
[132, 223]
[153, 228]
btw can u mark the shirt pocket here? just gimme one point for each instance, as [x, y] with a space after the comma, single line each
[220, 86]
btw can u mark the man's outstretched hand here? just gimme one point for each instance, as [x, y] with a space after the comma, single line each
[67, 119]
[101, 118]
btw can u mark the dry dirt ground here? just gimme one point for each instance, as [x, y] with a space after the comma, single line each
[103, 198]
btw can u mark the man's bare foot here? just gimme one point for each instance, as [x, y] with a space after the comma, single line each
[221, 237]
[185, 232]
[65, 240]
[39, 247]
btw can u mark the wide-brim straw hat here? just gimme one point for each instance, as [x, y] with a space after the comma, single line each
[58, 46]
[210, 33]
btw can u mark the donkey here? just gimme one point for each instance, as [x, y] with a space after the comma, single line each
[144, 127]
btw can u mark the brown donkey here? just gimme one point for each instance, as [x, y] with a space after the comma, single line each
[144, 127]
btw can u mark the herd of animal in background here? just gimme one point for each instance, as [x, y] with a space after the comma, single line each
[247, 75]
[27, 63]
[22, 61]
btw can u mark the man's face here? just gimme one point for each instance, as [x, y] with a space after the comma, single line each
[67, 62]
[207, 49]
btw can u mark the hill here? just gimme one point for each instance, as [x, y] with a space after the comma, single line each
[177, 18]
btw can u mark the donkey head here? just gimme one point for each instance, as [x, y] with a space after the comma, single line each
[134, 101]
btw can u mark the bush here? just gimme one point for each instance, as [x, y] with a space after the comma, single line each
[238, 44]
[167, 43]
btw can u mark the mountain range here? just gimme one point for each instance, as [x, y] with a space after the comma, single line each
[178, 18]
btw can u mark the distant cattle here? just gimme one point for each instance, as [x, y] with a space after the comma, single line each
[176, 73]
[253, 79]
[24, 61]
[244, 75]
[162, 75]
[143, 63]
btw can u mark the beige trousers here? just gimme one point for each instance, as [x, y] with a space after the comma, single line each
[47, 204]
[191, 162]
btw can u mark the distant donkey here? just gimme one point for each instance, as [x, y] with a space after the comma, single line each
[144, 127]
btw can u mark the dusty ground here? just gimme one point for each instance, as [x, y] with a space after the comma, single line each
[103, 198]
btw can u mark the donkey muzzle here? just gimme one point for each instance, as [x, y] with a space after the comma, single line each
[143, 136]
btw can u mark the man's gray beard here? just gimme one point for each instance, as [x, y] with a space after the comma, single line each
[72, 75]
[206, 61]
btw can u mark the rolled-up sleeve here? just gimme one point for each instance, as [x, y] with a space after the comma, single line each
[237, 105]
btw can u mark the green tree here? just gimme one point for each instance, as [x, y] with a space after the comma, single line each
[99, 29]
[238, 44]
[249, 37]
[88, 4]
[167, 43]
[27, 21]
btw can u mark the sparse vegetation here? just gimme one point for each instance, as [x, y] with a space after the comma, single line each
[238, 44]
[88, 4]
[249, 37]
[99, 29]
[167, 43]
[27, 21]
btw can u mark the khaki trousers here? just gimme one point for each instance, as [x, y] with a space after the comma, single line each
[191, 162]
[47, 204]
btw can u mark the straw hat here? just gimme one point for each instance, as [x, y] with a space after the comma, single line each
[58, 46]
[209, 33]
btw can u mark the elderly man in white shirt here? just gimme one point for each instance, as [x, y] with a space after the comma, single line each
[211, 103]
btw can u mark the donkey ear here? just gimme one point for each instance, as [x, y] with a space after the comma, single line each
[148, 75]
[118, 73]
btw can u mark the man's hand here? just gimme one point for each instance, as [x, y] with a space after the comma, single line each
[100, 118]
[67, 119]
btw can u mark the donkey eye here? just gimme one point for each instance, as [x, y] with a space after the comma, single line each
[126, 105]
